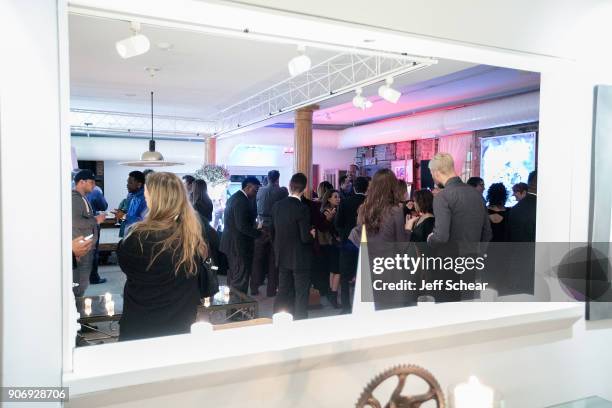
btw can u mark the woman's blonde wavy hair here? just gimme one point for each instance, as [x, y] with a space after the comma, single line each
[171, 212]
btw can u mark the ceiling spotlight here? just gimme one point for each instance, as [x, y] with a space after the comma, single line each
[387, 93]
[135, 44]
[300, 64]
[361, 102]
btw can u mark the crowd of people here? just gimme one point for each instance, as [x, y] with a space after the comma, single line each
[278, 237]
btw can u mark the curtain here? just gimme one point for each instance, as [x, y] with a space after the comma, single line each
[458, 146]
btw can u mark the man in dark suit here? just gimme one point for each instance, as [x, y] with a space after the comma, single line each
[521, 224]
[239, 234]
[345, 221]
[521, 228]
[293, 237]
[263, 260]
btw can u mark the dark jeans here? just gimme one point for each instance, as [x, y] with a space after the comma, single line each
[293, 290]
[263, 264]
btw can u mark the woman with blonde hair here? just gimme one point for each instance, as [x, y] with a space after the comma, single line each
[162, 257]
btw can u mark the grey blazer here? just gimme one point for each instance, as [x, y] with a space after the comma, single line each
[460, 215]
[83, 219]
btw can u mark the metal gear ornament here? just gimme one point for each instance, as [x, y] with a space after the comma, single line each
[397, 400]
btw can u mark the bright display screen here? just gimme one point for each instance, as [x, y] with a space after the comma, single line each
[507, 159]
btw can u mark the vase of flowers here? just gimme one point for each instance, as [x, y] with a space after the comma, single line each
[216, 177]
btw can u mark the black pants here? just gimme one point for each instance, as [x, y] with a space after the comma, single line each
[293, 290]
[94, 277]
[263, 264]
[348, 270]
[239, 271]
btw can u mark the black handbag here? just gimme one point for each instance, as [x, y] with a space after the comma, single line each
[209, 282]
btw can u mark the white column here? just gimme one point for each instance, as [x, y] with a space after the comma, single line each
[30, 198]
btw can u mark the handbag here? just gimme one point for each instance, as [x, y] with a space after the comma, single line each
[211, 286]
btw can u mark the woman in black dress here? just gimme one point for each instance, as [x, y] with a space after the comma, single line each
[329, 244]
[201, 201]
[422, 225]
[497, 196]
[162, 257]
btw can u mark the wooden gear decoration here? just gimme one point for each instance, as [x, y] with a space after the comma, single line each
[397, 400]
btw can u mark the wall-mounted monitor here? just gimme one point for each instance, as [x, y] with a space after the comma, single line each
[507, 159]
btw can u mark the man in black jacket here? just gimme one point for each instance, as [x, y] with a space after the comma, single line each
[521, 224]
[345, 221]
[239, 234]
[293, 237]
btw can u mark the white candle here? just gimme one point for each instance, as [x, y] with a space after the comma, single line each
[200, 328]
[425, 300]
[473, 394]
[206, 302]
[87, 310]
[110, 308]
[88, 303]
[488, 295]
[226, 290]
[108, 297]
[281, 319]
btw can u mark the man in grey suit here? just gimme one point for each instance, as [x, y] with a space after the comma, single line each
[84, 223]
[461, 224]
[460, 213]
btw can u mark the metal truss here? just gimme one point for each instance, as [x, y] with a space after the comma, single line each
[93, 121]
[338, 75]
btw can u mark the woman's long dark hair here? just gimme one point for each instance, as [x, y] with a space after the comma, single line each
[199, 191]
[325, 199]
[382, 197]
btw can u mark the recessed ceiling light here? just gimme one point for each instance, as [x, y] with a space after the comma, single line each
[369, 40]
[152, 70]
[165, 46]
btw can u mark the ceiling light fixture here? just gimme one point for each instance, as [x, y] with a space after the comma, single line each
[134, 45]
[151, 158]
[300, 64]
[387, 93]
[360, 101]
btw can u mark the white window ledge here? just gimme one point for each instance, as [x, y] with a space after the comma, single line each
[126, 364]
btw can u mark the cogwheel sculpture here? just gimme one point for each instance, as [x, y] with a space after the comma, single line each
[397, 400]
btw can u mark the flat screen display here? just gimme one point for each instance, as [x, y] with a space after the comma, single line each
[508, 160]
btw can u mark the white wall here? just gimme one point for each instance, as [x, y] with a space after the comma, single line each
[532, 371]
[115, 178]
[30, 230]
[254, 152]
[564, 28]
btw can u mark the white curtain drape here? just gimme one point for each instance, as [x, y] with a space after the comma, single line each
[458, 146]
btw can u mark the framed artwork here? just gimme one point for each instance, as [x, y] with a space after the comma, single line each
[403, 170]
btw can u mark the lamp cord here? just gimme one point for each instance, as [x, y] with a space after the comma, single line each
[151, 115]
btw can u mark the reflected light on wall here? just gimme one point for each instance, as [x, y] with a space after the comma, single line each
[256, 155]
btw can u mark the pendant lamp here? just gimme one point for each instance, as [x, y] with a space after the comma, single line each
[151, 158]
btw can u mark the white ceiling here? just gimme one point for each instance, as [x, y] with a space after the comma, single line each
[202, 74]
[199, 75]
